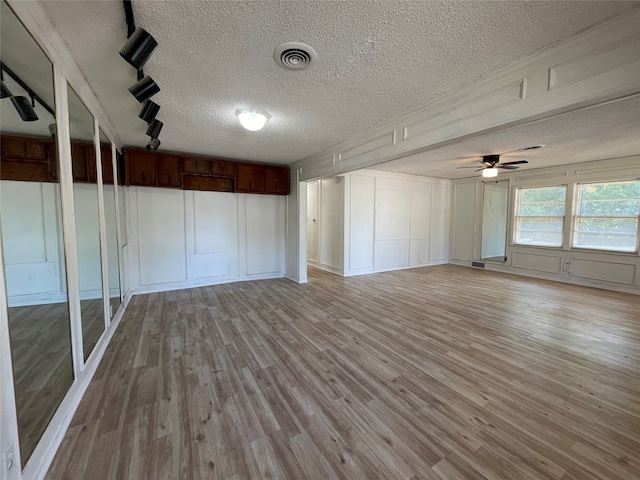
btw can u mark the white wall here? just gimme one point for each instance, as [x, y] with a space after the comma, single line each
[182, 239]
[372, 221]
[325, 207]
[394, 221]
[616, 271]
[34, 255]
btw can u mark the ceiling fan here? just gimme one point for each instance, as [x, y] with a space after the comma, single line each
[491, 164]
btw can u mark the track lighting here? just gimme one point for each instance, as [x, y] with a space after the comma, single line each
[154, 128]
[5, 91]
[24, 109]
[149, 111]
[153, 144]
[144, 89]
[138, 48]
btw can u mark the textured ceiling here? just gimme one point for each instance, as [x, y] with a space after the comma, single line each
[607, 131]
[376, 60]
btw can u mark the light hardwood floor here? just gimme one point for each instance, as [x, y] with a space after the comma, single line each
[42, 365]
[432, 373]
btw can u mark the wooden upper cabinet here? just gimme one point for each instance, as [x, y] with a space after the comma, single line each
[107, 164]
[141, 168]
[223, 168]
[25, 159]
[250, 178]
[83, 162]
[169, 170]
[276, 180]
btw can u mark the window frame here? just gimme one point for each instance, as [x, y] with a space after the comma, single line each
[576, 216]
[516, 217]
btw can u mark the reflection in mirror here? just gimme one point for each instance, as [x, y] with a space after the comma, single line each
[109, 191]
[32, 235]
[494, 220]
[85, 193]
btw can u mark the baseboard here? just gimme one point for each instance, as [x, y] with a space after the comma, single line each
[369, 272]
[168, 287]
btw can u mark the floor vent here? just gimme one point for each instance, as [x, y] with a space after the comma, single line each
[477, 264]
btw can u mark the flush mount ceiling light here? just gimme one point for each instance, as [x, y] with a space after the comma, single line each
[252, 119]
[294, 55]
[144, 89]
[139, 48]
[490, 172]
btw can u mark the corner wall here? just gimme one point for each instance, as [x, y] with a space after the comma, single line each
[611, 270]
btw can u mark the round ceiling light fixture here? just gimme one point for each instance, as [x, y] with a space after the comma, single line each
[490, 172]
[252, 119]
[294, 55]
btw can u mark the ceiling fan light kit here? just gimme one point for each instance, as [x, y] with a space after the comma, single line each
[490, 172]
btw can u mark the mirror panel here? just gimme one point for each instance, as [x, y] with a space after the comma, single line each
[109, 191]
[494, 220]
[30, 211]
[85, 193]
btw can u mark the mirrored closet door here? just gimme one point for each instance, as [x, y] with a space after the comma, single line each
[109, 190]
[85, 196]
[30, 211]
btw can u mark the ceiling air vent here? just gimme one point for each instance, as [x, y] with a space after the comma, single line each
[294, 55]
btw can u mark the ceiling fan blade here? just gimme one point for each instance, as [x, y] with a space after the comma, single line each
[515, 162]
[479, 170]
[507, 167]
[474, 166]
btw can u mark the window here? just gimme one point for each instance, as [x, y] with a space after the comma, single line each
[607, 216]
[540, 216]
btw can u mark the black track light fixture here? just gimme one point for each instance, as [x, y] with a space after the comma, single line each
[153, 144]
[149, 111]
[139, 48]
[144, 89]
[24, 109]
[6, 93]
[53, 130]
[154, 128]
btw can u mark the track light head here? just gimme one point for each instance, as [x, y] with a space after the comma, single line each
[53, 130]
[154, 128]
[149, 111]
[144, 89]
[153, 144]
[24, 109]
[5, 91]
[138, 48]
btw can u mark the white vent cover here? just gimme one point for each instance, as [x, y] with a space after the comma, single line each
[294, 55]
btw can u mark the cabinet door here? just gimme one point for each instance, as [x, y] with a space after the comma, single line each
[25, 159]
[223, 168]
[141, 168]
[169, 170]
[250, 178]
[79, 162]
[276, 180]
[107, 168]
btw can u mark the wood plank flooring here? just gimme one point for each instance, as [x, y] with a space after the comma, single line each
[432, 373]
[42, 365]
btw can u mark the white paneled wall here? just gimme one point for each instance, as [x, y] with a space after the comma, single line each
[325, 208]
[615, 271]
[372, 221]
[394, 221]
[33, 242]
[182, 239]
